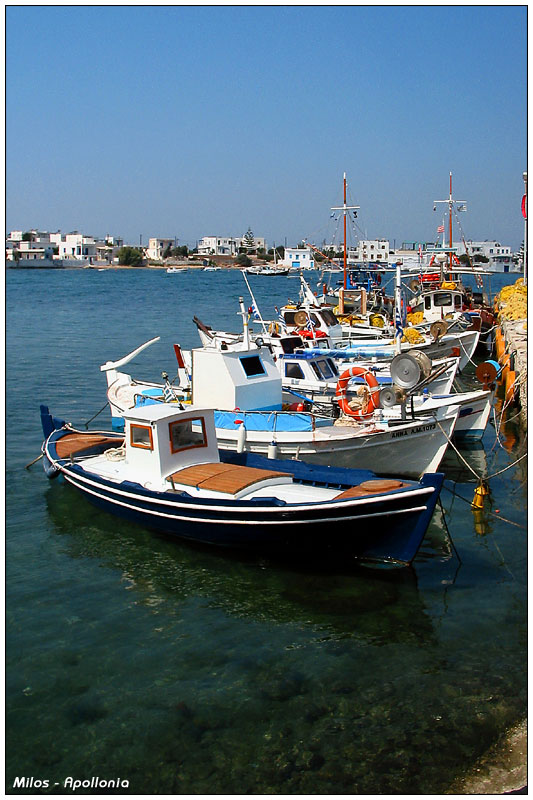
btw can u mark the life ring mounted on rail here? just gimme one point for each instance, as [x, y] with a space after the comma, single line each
[371, 382]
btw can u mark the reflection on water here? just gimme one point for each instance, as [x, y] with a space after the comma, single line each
[211, 673]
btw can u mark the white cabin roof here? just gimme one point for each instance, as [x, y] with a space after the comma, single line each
[160, 411]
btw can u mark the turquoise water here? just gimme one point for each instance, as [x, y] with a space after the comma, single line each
[186, 671]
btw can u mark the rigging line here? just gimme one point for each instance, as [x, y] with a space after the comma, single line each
[485, 511]
[456, 450]
[508, 466]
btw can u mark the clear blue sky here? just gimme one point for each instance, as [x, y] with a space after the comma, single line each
[192, 121]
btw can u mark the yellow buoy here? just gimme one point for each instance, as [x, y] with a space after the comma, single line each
[479, 495]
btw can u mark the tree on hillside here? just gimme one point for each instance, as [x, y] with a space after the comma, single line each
[130, 257]
[168, 251]
[243, 261]
[27, 237]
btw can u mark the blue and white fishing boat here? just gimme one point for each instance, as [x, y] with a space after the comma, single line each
[247, 388]
[167, 473]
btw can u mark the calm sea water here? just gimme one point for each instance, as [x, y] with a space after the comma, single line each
[187, 671]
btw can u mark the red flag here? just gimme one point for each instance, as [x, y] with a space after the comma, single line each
[524, 206]
[440, 229]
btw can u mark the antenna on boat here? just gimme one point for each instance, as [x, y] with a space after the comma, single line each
[246, 331]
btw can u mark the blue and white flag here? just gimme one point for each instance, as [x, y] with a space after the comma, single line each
[168, 394]
[281, 318]
[255, 311]
[309, 325]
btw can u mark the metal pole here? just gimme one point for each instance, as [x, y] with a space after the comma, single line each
[525, 228]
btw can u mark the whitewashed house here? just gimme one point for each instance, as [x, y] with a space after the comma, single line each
[38, 248]
[373, 250]
[298, 258]
[75, 247]
[157, 247]
[218, 246]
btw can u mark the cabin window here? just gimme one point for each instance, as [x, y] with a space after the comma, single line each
[329, 317]
[442, 299]
[324, 368]
[457, 300]
[183, 437]
[253, 366]
[332, 366]
[316, 370]
[289, 317]
[141, 436]
[427, 302]
[289, 344]
[293, 371]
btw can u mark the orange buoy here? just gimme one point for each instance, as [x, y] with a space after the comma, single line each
[499, 344]
[505, 361]
[510, 382]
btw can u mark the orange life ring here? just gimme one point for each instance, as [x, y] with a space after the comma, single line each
[342, 384]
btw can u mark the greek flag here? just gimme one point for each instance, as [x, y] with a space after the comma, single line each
[309, 325]
[281, 318]
[168, 394]
[255, 311]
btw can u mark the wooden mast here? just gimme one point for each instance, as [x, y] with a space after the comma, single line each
[450, 236]
[345, 259]
[344, 208]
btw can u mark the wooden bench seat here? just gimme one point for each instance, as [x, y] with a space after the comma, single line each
[74, 443]
[226, 478]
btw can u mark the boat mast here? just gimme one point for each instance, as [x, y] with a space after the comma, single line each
[461, 206]
[344, 208]
[450, 235]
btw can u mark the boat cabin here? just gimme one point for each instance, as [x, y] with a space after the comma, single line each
[306, 368]
[233, 379]
[440, 303]
[176, 450]
[321, 318]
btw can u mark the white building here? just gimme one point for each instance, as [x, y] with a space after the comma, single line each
[298, 258]
[227, 245]
[500, 256]
[36, 248]
[218, 246]
[75, 246]
[373, 250]
[157, 247]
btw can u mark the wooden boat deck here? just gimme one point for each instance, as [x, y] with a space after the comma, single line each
[226, 478]
[74, 443]
[368, 488]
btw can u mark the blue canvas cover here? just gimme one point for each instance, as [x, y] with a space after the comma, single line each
[264, 420]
